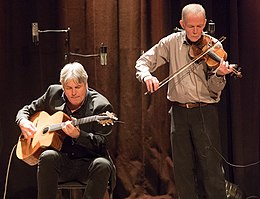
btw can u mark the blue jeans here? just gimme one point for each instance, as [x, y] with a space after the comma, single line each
[54, 167]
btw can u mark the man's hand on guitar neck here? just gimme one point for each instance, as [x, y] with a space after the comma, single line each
[70, 129]
[28, 129]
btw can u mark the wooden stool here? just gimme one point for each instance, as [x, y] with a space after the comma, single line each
[74, 190]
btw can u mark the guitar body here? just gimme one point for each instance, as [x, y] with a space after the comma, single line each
[30, 149]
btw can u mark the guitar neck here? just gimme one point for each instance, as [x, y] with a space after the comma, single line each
[76, 122]
[85, 120]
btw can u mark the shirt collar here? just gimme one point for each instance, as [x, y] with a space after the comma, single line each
[185, 39]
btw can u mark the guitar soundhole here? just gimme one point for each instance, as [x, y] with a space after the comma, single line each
[45, 130]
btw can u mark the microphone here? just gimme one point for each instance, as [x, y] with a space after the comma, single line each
[103, 55]
[176, 29]
[35, 33]
[211, 28]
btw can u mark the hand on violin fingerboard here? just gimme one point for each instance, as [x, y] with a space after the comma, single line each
[224, 68]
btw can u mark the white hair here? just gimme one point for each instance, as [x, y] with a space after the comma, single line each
[194, 9]
[73, 71]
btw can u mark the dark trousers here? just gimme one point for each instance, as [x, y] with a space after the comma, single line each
[197, 166]
[54, 167]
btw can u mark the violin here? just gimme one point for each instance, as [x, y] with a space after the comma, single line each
[213, 57]
[207, 50]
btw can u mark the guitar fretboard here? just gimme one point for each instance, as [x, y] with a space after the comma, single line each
[76, 122]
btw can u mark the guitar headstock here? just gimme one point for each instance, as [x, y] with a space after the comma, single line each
[106, 118]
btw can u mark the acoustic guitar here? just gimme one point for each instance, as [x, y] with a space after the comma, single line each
[50, 135]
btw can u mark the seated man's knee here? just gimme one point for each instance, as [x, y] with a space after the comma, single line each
[48, 156]
[102, 164]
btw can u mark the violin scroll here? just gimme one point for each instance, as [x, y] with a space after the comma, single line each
[236, 71]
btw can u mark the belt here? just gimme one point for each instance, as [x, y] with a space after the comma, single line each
[189, 105]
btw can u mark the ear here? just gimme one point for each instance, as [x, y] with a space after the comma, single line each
[182, 23]
[205, 23]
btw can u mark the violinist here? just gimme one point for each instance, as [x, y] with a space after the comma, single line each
[194, 95]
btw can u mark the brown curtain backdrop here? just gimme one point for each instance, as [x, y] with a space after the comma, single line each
[139, 144]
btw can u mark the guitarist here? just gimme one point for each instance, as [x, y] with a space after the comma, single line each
[83, 156]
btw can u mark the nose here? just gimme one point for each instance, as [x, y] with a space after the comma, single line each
[74, 91]
[195, 30]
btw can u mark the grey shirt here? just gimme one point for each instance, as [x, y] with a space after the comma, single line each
[198, 83]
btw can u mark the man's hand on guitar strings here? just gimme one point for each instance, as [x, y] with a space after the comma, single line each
[28, 129]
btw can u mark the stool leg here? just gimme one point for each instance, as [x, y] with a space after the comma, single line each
[76, 193]
[63, 194]
[66, 193]
[59, 194]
